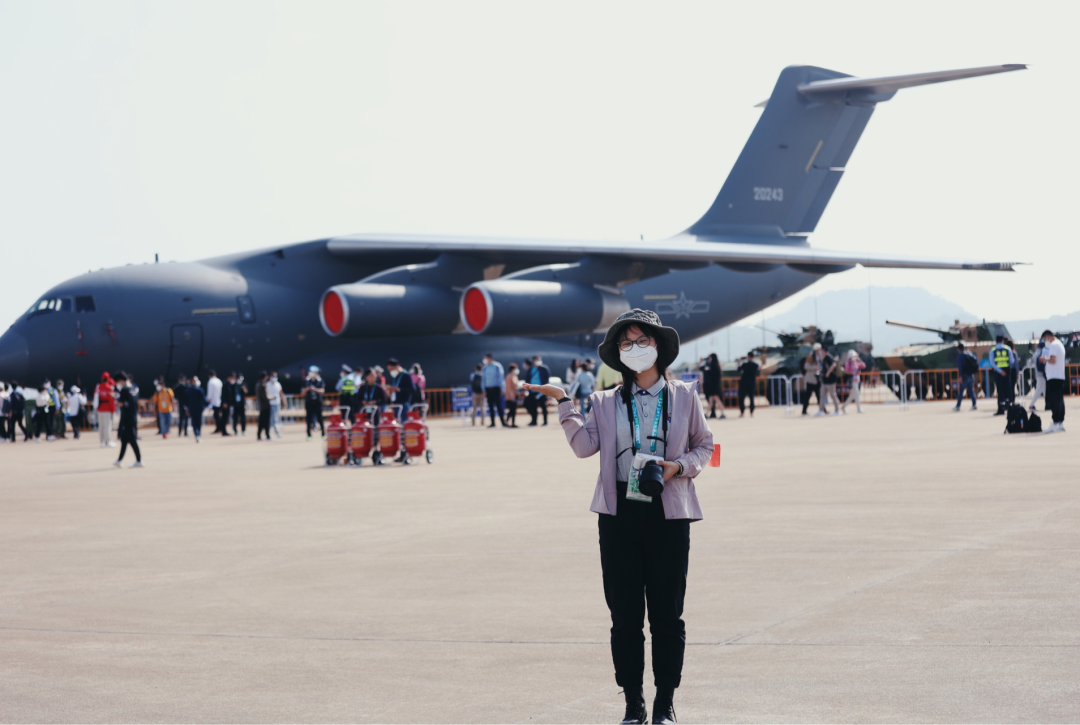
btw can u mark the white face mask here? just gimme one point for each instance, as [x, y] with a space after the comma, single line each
[638, 359]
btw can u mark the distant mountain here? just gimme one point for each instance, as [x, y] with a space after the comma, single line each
[1058, 323]
[848, 313]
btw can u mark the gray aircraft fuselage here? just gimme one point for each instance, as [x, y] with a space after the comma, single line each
[259, 311]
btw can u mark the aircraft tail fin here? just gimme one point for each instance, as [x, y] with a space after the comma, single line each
[796, 155]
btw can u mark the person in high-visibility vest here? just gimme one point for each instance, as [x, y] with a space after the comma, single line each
[346, 387]
[1001, 360]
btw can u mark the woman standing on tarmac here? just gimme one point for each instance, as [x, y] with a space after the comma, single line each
[644, 541]
[128, 402]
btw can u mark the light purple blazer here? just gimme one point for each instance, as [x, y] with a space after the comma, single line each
[690, 442]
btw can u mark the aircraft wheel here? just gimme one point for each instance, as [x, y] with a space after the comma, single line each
[430, 456]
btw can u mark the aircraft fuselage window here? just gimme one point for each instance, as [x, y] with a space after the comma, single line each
[50, 304]
[85, 303]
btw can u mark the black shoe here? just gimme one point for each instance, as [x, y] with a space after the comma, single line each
[1000, 412]
[663, 707]
[491, 426]
[636, 714]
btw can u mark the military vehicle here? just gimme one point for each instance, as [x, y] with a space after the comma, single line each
[978, 337]
[795, 347]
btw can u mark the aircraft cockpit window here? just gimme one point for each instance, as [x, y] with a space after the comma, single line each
[85, 303]
[50, 304]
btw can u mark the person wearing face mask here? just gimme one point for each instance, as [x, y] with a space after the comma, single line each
[644, 542]
[535, 403]
[164, 401]
[399, 385]
[273, 392]
[1039, 371]
[128, 403]
[105, 405]
[195, 400]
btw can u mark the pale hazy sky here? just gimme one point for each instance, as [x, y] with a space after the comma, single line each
[192, 129]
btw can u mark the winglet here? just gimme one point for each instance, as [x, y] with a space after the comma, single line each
[888, 85]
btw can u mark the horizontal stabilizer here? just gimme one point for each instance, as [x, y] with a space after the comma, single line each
[891, 84]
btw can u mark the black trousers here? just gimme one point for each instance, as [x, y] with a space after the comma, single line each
[535, 406]
[182, 422]
[195, 417]
[221, 419]
[42, 420]
[816, 390]
[746, 391]
[17, 419]
[314, 415]
[239, 417]
[264, 424]
[511, 412]
[1055, 399]
[494, 401]
[1001, 383]
[644, 558]
[127, 437]
[347, 407]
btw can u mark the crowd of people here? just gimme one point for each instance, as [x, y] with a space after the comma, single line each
[500, 391]
[373, 388]
[1046, 364]
[50, 411]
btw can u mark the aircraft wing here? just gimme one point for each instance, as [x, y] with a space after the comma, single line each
[678, 250]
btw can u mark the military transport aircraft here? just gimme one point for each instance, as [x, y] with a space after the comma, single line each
[443, 301]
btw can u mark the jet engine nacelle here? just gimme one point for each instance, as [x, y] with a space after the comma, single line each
[365, 309]
[533, 307]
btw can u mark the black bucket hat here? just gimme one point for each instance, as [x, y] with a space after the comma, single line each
[667, 340]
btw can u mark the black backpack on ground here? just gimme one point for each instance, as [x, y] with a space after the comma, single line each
[1016, 420]
[1034, 424]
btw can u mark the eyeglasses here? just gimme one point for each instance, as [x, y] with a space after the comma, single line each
[628, 345]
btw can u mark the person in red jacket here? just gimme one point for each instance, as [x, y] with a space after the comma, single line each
[105, 404]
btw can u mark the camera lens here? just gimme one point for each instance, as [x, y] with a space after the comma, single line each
[651, 481]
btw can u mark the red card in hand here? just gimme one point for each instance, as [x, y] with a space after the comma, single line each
[715, 460]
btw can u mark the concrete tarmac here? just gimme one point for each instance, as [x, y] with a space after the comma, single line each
[894, 566]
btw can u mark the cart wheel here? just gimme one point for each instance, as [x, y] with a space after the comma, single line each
[329, 461]
[406, 460]
[377, 458]
[430, 456]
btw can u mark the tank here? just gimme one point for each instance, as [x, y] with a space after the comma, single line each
[978, 337]
[795, 347]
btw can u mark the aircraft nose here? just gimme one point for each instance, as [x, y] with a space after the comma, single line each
[14, 356]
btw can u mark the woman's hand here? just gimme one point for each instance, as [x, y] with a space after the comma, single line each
[671, 469]
[552, 391]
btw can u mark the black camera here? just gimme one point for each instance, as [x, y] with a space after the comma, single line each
[651, 480]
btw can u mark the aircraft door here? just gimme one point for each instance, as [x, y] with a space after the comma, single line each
[185, 352]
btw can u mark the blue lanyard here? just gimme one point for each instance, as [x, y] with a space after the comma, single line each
[655, 424]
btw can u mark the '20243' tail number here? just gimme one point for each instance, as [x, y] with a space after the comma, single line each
[768, 193]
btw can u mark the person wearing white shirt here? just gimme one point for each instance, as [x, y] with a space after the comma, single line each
[76, 402]
[273, 393]
[1053, 356]
[213, 399]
